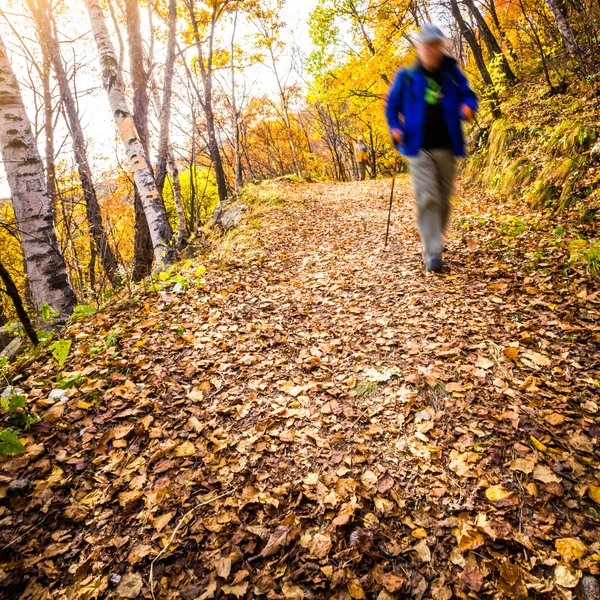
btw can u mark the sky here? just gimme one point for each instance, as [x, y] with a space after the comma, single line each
[95, 115]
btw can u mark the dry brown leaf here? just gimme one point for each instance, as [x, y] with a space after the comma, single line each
[320, 545]
[392, 583]
[545, 474]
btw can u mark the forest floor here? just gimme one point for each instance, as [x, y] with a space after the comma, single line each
[317, 417]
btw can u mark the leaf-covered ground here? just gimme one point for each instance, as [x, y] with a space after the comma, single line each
[315, 417]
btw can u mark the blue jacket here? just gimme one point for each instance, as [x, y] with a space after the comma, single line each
[407, 99]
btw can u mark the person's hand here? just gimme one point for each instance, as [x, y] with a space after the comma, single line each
[467, 112]
[396, 135]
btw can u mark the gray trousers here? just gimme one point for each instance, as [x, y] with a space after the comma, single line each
[362, 170]
[432, 173]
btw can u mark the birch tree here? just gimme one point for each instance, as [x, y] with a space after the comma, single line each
[165, 154]
[565, 29]
[154, 209]
[44, 264]
[46, 27]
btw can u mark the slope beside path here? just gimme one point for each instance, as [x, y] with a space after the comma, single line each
[317, 417]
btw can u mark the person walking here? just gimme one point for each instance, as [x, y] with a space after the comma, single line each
[424, 109]
[362, 157]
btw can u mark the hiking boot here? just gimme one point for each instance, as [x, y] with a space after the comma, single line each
[434, 263]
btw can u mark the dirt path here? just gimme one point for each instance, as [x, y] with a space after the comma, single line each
[339, 423]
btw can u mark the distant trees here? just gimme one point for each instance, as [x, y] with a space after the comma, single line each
[209, 96]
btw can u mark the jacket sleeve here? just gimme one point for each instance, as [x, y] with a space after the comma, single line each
[393, 105]
[467, 95]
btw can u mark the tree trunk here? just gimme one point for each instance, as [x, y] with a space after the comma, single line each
[13, 293]
[237, 165]
[49, 131]
[501, 32]
[154, 209]
[139, 78]
[206, 72]
[181, 227]
[468, 34]
[44, 264]
[564, 28]
[491, 42]
[43, 15]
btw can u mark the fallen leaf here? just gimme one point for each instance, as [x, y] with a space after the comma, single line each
[484, 363]
[392, 583]
[523, 465]
[130, 586]
[594, 493]
[419, 533]
[127, 498]
[355, 590]
[320, 545]
[185, 449]
[292, 592]
[238, 590]
[567, 577]
[223, 567]
[422, 551]
[570, 549]
[162, 521]
[277, 541]
[496, 493]
[545, 474]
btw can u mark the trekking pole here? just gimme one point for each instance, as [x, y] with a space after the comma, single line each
[387, 231]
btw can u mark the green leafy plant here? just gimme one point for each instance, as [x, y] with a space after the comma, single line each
[10, 443]
[14, 411]
[60, 351]
[83, 311]
[47, 313]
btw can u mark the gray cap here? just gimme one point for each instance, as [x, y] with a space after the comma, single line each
[429, 34]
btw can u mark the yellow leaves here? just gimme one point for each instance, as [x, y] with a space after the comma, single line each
[311, 479]
[511, 352]
[496, 493]
[594, 493]
[355, 590]
[538, 444]
[570, 549]
[419, 533]
[292, 592]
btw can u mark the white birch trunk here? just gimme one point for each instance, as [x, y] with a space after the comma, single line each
[154, 209]
[44, 264]
[564, 28]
